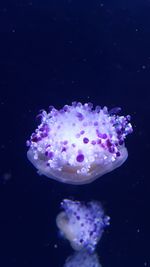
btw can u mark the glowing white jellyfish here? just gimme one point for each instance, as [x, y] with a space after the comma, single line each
[78, 144]
[82, 259]
[82, 224]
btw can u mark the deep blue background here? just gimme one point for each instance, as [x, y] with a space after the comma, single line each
[53, 52]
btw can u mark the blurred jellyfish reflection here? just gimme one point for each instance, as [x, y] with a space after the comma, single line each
[82, 224]
[82, 259]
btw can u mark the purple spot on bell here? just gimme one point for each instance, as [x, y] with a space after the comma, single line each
[121, 142]
[118, 154]
[44, 134]
[64, 149]
[35, 138]
[104, 136]
[65, 108]
[50, 155]
[93, 142]
[82, 132]
[80, 116]
[111, 149]
[85, 140]
[80, 158]
[101, 135]
[96, 123]
[108, 143]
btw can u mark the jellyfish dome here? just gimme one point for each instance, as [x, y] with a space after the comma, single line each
[77, 144]
[82, 224]
[83, 259]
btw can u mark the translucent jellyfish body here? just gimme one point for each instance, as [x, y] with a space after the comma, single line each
[83, 259]
[78, 144]
[82, 224]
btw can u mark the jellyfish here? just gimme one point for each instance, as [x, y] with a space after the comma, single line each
[77, 144]
[82, 224]
[82, 259]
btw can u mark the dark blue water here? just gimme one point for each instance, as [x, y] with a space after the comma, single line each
[53, 53]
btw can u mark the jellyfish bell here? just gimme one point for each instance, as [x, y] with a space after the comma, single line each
[78, 144]
[70, 174]
[83, 259]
